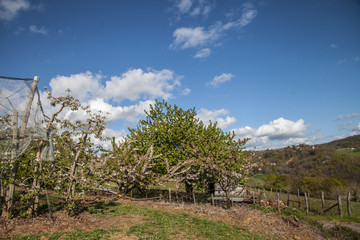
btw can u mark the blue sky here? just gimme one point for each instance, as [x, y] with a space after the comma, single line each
[279, 72]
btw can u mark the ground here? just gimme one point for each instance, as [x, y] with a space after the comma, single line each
[255, 221]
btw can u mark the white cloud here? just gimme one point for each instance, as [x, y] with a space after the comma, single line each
[9, 9]
[356, 130]
[217, 80]
[184, 5]
[333, 45]
[186, 91]
[35, 29]
[84, 86]
[342, 126]
[136, 84]
[352, 115]
[133, 85]
[187, 37]
[203, 53]
[339, 137]
[128, 113]
[190, 37]
[206, 116]
[282, 128]
[281, 132]
[105, 94]
[193, 7]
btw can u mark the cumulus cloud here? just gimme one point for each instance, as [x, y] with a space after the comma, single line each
[132, 85]
[347, 116]
[284, 132]
[35, 29]
[105, 94]
[136, 84]
[217, 80]
[206, 116]
[282, 128]
[128, 113]
[190, 37]
[84, 86]
[10, 9]
[203, 53]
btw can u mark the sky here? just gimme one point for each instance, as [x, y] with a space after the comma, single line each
[281, 72]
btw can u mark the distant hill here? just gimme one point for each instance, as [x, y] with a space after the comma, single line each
[339, 158]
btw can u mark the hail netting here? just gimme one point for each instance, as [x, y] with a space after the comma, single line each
[15, 138]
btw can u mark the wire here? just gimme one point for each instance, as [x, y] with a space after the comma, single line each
[14, 78]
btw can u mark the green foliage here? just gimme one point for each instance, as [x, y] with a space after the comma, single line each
[169, 129]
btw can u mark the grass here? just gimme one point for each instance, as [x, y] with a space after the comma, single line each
[98, 233]
[316, 207]
[337, 232]
[156, 224]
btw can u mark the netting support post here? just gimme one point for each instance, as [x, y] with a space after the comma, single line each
[29, 102]
[9, 198]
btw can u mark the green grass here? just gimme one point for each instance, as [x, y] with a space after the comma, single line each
[156, 224]
[90, 235]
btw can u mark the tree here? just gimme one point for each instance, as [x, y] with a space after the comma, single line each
[223, 161]
[126, 168]
[169, 129]
[43, 144]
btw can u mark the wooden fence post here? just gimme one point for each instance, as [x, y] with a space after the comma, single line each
[212, 200]
[280, 193]
[271, 193]
[322, 201]
[288, 200]
[306, 204]
[339, 205]
[194, 197]
[278, 202]
[259, 196]
[348, 204]
[299, 196]
[169, 194]
[309, 201]
[264, 193]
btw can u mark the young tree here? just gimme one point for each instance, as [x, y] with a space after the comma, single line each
[44, 144]
[223, 161]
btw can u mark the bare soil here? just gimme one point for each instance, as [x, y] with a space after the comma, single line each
[257, 222]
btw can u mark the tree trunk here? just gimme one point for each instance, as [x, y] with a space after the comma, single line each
[73, 172]
[189, 190]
